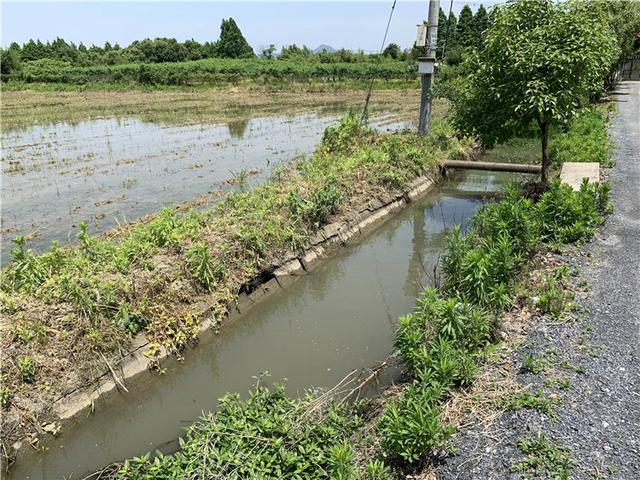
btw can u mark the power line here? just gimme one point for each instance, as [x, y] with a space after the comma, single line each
[384, 39]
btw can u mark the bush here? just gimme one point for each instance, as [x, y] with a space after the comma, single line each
[567, 216]
[411, 426]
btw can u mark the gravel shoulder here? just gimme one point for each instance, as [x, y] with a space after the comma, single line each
[589, 366]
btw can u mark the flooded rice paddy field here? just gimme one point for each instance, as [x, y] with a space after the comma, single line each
[108, 171]
[340, 317]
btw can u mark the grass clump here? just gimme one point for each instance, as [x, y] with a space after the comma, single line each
[534, 364]
[544, 458]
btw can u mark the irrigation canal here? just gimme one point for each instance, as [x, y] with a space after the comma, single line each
[311, 334]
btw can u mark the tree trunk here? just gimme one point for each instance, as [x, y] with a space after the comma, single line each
[544, 134]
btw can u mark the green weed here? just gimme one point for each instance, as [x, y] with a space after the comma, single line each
[544, 458]
[587, 140]
[535, 401]
[27, 369]
[6, 394]
[411, 426]
[268, 435]
[535, 364]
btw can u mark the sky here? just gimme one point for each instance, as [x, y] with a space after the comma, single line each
[353, 25]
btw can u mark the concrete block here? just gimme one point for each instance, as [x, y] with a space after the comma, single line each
[312, 257]
[573, 173]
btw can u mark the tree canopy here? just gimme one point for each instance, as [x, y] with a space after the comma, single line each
[232, 43]
[540, 62]
[466, 33]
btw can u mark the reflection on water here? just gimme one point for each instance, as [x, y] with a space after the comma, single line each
[238, 129]
[340, 317]
[112, 170]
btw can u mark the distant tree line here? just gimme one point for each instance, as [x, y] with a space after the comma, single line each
[231, 44]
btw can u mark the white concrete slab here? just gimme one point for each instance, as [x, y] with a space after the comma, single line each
[573, 173]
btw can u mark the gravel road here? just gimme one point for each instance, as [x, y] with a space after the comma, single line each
[598, 414]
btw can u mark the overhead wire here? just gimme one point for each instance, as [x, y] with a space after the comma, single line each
[384, 40]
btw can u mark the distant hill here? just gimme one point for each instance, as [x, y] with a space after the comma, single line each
[324, 48]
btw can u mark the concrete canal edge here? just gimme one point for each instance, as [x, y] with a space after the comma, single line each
[324, 243]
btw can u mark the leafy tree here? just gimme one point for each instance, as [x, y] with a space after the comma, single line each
[481, 23]
[540, 62]
[10, 59]
[392, 51]
[232, 43]
[294, 51]
[624, 18]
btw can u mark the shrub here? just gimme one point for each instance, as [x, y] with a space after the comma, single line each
[567, 216]
[411, 427]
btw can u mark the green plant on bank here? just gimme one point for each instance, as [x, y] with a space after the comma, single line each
[268, 435]
[439, 342]
[479, 266]
[554, 299]
[27, 369]
[544, 458]
[201, 265]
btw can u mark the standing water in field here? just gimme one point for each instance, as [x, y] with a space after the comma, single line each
[312, 333]
[107, 171]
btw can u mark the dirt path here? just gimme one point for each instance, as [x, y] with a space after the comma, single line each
[587, 422]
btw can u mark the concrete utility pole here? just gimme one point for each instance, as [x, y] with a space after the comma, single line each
[427, 37]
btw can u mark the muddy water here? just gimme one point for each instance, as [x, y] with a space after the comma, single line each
[340, 317]
[112, 170]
